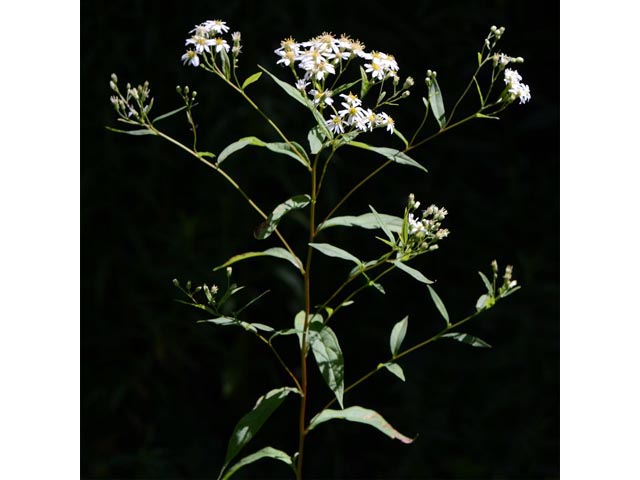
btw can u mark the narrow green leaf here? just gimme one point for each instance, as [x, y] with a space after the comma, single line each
[479, 58]
[397, 335]
[439, 305]
[366, 220]
[391, 154]
[297, 95]
[383, 226]
[251, 423]
[315, 139]
[426, 103]
[206, 154]
[263, 327]
[253, 78]
[171, 113]
[435, 100]
[412, 271]
[224, 321]
[489, 117]
[271, 252]
[142, 131]
[364, 87]
[270, 224]
[468, 339]
[328, 355]
[378, 287]
[226, 64]
[360, 415]
[277, 147]
[395, 369]
[487, 283]
[345, 87]
[266, 452]
[333, 251]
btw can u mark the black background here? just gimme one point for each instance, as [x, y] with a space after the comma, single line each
[161, 394]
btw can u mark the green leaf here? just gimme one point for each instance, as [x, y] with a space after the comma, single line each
[228, 321]
[485, 301]
[487, 283]
[253, 78]
[489, 117]
[206, 154]
[226, 64]
[412, 271]
[251, 423]
[394, 368]
[277, 147]
[328, 355]
[435, 100]
[383, 226]
[367, 220]
[263, 327]
[297, 95]
[439, 305]
[345, 87]
[333, 251]
[266, 452]
[142, 131]
[397, 335]
[390, 153]
[270, 224]
[315, 139]
[468, 339]
[171, 113]
[378, 287]
[479, 58]
[271, 252]
[360, 415]
[365, 86]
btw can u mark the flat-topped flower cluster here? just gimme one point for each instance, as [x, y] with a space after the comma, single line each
[206, 38]
[515, 86]
[425, 230]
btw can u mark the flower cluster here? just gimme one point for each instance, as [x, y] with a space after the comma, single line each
[135, 104]
[206, 38]
[353, 115]
[424, 231]
[515, 88]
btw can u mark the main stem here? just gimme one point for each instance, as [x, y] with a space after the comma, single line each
[307, 309]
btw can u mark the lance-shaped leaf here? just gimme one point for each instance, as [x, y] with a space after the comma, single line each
[270, 224]
[266, 452]
[360, 415]
[468, 339]
[298, 96]
[292, 149]
[394, 368]
[398, 333]
[390, 153]
[171, 113]
[228, 321]
[328, 355]
[484, 301]
[487, 283]
[277, 252]
[251, 423]
[253, 78]
[383, 225]
[333, 251]
[439, 305]
[143, 131]
[366, 220]
[436, 102]
[412, 271]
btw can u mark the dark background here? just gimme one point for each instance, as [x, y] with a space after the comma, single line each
[161, 393]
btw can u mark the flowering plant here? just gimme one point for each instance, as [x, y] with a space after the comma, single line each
[347, 91]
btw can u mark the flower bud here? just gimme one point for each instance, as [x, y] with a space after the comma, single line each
[406, 93]
[114, 77]
[494, 266]
[179, 89]
[408, 83]
[229, 271]
[493, 28]
[112, 85]
[175, 282]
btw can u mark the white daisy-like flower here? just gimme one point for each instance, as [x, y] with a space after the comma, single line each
[191, 58]
[521, 91]
[302, 85]
[220, 43]
[286, 57]
[351, 113]
[201, 44]
[384, 120]
[350, 100]
[375, 69]
[511, 77]
[200, 30]
[217, 26]
[335, 124]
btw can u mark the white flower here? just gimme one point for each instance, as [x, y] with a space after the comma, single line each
[376, 70]
[220, 44]
[351, 113]
[217, 26]
[351, 100]
[335, 124]
[320, 96]
[236, 36]
[302, 85]
[191, 58]
[511, 76]
[382, 119]
[201, 44]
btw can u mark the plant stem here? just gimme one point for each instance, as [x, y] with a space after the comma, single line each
[307, 308]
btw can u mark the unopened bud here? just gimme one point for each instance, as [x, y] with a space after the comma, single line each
[494, 266]
[175, 282]
[406, 93]
[229, 271]
[408, 83]
[519, 60]
[493, 28]
[193, 94]
[179, 89]
[114, 77]
[112, 85]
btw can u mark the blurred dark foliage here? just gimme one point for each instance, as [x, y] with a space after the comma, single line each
[161, 394]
